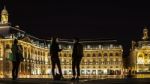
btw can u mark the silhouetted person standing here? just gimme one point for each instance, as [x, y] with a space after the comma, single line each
[16, 50]
[54, 49]
[76, 59]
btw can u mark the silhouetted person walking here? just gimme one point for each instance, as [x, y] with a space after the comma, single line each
[54, 49]
[76, 58]
[16, 51]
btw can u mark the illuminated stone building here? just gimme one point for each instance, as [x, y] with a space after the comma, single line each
[140, 55]
[101, 57]
[35, 51]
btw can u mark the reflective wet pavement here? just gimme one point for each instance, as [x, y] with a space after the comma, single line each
[82, 81]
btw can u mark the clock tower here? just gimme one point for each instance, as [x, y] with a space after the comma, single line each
[4, 16]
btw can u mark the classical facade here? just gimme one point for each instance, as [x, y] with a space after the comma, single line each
[140, 55]
[101, 57]
[35, 51]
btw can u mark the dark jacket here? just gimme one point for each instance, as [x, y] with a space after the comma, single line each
[15, 51]
[77, 51]
[54, 49]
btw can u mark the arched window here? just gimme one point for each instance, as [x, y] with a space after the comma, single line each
[94, 55]
[111, 54]
[88, 55]
[99, 55]
[140, 55]
[140, 59]
[105, 54]
[145, 55]
[7, 46]
[117, 54]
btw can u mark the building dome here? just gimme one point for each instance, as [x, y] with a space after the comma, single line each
[4, 16]
[4, 11]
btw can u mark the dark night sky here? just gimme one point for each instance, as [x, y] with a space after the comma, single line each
[121, 20]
